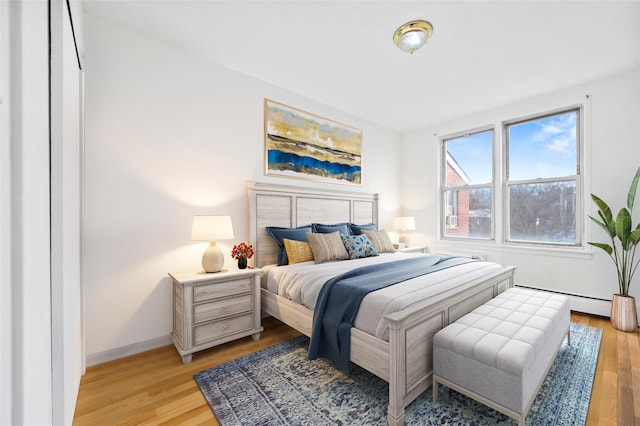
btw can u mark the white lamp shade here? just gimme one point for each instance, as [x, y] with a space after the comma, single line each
[406, 223]
[211, 228]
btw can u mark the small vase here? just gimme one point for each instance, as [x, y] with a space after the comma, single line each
[242, 263]
[624, 315]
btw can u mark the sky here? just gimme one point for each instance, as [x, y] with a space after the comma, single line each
[542, 148]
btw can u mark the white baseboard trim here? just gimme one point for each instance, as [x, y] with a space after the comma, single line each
[121, 352]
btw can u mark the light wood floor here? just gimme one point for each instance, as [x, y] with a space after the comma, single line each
[155, 388]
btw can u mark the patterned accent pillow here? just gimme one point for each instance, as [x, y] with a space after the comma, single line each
[327, 247]
[380, 240]
[359, 246]
[297, 251]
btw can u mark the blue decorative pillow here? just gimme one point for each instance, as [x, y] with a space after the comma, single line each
[320, 228]
[357, 229]
[359, 246]
[279, 234]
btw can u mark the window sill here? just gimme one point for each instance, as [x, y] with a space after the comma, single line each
[489, 247]
[567, 252]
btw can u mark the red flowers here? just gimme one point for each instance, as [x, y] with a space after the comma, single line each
[242, 250]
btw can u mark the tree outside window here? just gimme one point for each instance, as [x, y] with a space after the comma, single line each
[542, 179]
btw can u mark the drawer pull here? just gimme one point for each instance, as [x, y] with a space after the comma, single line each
[225, 307]
[225, 326]
[204, 293]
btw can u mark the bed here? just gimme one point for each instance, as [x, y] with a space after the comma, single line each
[403, 356]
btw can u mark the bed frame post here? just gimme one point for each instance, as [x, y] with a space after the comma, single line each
[397, 374]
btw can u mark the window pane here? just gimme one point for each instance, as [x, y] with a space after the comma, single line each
[544, 212]
[470, 159]
[543, 148]
[468, 213]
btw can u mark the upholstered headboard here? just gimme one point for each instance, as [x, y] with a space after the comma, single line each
[292, 206]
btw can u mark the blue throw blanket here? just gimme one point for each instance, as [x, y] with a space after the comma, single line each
[340, 298]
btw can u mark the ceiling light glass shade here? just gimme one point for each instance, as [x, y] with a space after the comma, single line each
[412, 35]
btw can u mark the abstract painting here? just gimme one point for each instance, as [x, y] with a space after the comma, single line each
[303, 145]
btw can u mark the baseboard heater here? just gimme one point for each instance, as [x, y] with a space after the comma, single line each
[580, 303]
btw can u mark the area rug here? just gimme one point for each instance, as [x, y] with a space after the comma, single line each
[280, 386]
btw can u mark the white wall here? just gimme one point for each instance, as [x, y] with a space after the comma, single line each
[168, 136]
[612, 157]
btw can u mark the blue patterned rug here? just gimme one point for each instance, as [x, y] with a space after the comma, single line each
[280, 386]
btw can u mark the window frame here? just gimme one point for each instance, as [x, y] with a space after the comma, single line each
[457, 188]
[499, 187]
[577, 177]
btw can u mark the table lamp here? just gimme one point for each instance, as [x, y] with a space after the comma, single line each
[212, 228]
[403, 224]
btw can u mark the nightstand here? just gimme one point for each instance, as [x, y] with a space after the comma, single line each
[211, 309]
[413, 250]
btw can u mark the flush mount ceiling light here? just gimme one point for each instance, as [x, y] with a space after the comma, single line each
[412, 35]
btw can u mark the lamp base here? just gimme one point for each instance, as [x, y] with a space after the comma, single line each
[404, 239]
[212, 259]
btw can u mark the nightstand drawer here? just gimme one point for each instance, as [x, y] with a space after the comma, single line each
[226, 288]
[222, 307]
[219, 329]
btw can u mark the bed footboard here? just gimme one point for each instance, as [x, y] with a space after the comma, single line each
[411, 334]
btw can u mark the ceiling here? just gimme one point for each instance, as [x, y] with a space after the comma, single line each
[482, 54]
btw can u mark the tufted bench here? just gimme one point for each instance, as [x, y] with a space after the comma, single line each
[499, 353]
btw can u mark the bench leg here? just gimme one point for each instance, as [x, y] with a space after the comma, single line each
[569, 337]
[435, 391]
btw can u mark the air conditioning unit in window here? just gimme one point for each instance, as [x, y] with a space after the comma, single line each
[453, 221]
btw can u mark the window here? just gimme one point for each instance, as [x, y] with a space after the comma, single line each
[542, 179]
[539, 188]
[468, 177]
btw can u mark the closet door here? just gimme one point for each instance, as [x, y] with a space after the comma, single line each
[25, 256]
[66, 211]
[5, 226]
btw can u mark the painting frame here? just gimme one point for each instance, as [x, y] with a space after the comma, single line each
[302, 145]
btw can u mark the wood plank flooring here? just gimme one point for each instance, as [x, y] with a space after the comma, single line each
[155, 388]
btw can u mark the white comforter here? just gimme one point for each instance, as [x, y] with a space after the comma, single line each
[301, 283]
